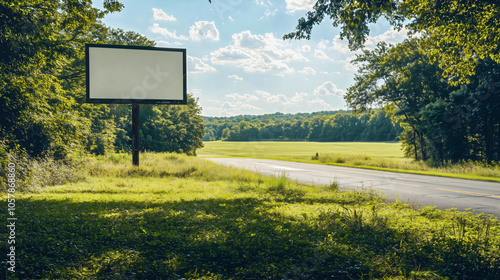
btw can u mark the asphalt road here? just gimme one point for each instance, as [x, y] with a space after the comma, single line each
[442, 192]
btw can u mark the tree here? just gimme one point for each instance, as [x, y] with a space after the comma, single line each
[163, 128]
[460, 32]
[38, 40]
[42, 86]
[441, 122]
[380, 128]
[402, 77]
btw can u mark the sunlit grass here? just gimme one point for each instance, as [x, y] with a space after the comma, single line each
[301, 150]
[372, 155]
[179, 217]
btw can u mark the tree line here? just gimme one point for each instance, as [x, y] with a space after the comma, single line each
[43, 113]
[318, 126]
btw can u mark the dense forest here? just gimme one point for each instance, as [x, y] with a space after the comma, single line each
[318, 126]
[42, 87]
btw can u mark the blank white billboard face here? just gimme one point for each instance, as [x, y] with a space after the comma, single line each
[130, 74]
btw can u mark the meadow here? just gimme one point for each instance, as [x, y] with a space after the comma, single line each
[372, 155]
[179, 217]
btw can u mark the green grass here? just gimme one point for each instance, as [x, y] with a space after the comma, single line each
[181, 217]
[386, 156]
[301, 150]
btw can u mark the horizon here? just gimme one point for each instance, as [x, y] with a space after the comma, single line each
[275, 113]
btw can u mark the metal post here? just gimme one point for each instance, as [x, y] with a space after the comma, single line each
[135, 134]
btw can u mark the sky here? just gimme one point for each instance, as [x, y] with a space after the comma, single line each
[238, 63]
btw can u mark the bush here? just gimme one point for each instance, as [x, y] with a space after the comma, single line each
[280, 188]
[33, 174]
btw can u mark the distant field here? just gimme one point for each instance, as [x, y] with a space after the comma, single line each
[301, 150]
[373, 155]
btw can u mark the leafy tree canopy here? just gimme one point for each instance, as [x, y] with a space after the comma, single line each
[459, 32]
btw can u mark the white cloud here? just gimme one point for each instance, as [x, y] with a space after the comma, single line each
[322, 103]
[196, 65]
[340, 45]
[308, 70]
[249, 107]
[245, 97]
[228, 105]
[391, 36]
[299, 5]
[230, 18]
[264, 94]
[164, 31]
[195, 91]
[282, 99]
[263, 3]
[298, 97]
[229, 108]
[306, 48]
[204, 30]
[348, 65]
[256, 53]
[323, 44]
[329, 88]
[235, 77]
[268, 13]
[320, 54]
[279, 98]
[162, 43]
[285, 71]
[159, 14]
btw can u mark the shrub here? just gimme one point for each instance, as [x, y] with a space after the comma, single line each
[33, 174]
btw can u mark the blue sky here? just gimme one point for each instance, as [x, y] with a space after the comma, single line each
[237, 60]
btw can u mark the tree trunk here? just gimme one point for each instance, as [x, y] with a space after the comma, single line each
[497, 143]
[488, 141]
[422, 147]
[415, 145]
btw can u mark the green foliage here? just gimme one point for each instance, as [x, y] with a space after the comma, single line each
[40, 39]
[334, 185]
[163, 128]
[42, 85]
[441, 122]
[170, 228]
[319, 126]
[281, 189]
[32, 175]
[461, 32]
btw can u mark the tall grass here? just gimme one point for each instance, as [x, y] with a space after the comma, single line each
[469, 167]
[32, 175]
[165, 165]
[179, 217]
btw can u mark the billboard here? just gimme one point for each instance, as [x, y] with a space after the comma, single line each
[134, 74]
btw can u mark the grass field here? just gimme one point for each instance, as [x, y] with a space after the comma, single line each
[179, 217]
[301, 150]
[373, 155]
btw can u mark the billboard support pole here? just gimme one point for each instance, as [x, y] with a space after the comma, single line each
[135, 134]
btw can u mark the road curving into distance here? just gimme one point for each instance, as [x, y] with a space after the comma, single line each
[421, 190]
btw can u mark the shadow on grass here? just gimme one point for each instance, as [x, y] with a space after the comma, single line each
[238, 238]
